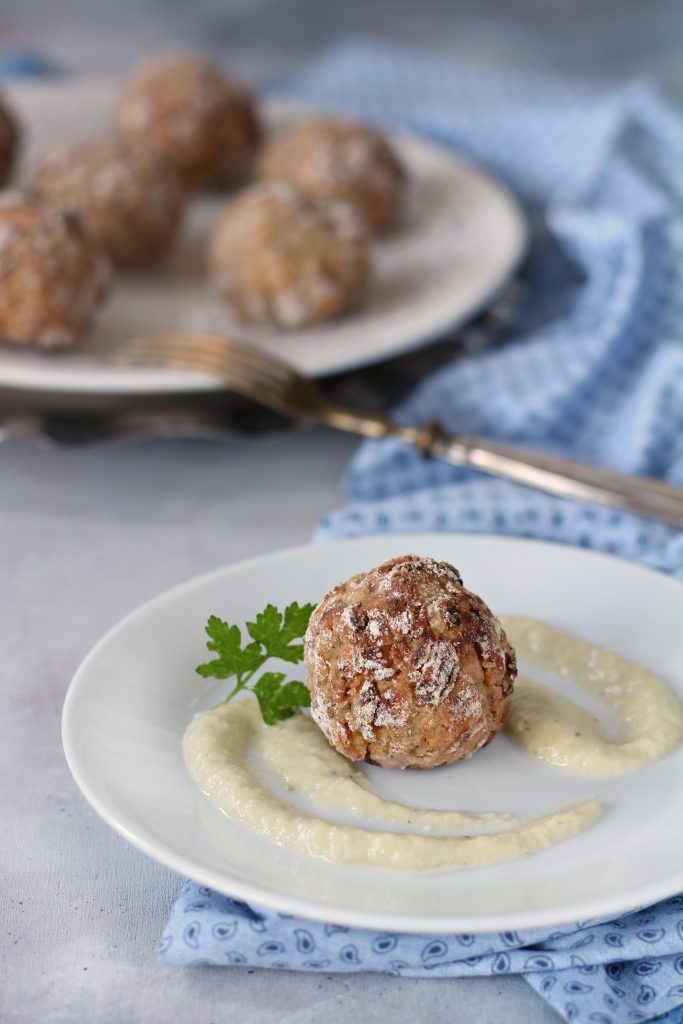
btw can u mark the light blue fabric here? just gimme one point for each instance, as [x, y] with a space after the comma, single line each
[26, 64]
[593, 368]
[643, 954]
[593, 365]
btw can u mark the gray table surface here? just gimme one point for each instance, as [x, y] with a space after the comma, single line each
[89, 534]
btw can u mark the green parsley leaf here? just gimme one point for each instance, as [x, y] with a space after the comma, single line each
[296, 620]
[233, 659]
[279, 700]
[271, 634]
[276, 632]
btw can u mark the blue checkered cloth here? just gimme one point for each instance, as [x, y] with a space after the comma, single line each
[593, 369]
[593, 365]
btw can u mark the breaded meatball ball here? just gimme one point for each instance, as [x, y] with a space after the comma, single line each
[407, 668]
[9, 143]
[53, 273]
[127, 196]
[280, 257]
[340, 160]
[198, 117]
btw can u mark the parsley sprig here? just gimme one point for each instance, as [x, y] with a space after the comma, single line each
[271, 634]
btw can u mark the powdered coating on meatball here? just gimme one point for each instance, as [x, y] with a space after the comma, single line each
[407, 668]
[279, 257]
[53, 273]
[129, 197]
[339, 159]
[196, 115]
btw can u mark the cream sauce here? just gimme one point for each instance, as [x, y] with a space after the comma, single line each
[552, 727]
[219, 744]
[299, 753]
[216, 747]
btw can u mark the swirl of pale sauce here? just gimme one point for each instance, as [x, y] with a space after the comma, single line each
[216, 747]
[219, 744]
[552, 727]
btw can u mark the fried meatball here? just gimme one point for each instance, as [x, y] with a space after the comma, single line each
[53, 273]
[339, 160]
[407, 668]
[9, 143]
[198, 117]
[280, 257]
[129, 198]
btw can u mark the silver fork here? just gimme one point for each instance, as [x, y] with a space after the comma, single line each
[270, 381]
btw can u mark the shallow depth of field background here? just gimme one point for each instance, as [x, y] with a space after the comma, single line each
[267, 38]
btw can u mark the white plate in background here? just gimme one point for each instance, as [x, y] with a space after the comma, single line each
[461, 237]
[132, 698]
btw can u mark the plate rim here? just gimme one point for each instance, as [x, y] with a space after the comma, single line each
[279, 104]
[613, 906]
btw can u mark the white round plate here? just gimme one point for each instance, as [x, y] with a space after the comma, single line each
[461, 237]
[134, 695]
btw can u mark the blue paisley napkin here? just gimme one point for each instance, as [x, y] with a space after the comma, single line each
[611, 973]
[592, 368]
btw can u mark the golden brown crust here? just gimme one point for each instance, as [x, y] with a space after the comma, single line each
[53, 274]
[198, 117]
[130, 199]
[280, 257]
[9, 143]
[339, 159]
[407, 668]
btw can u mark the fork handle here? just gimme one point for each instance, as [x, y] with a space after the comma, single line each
[562, 477]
